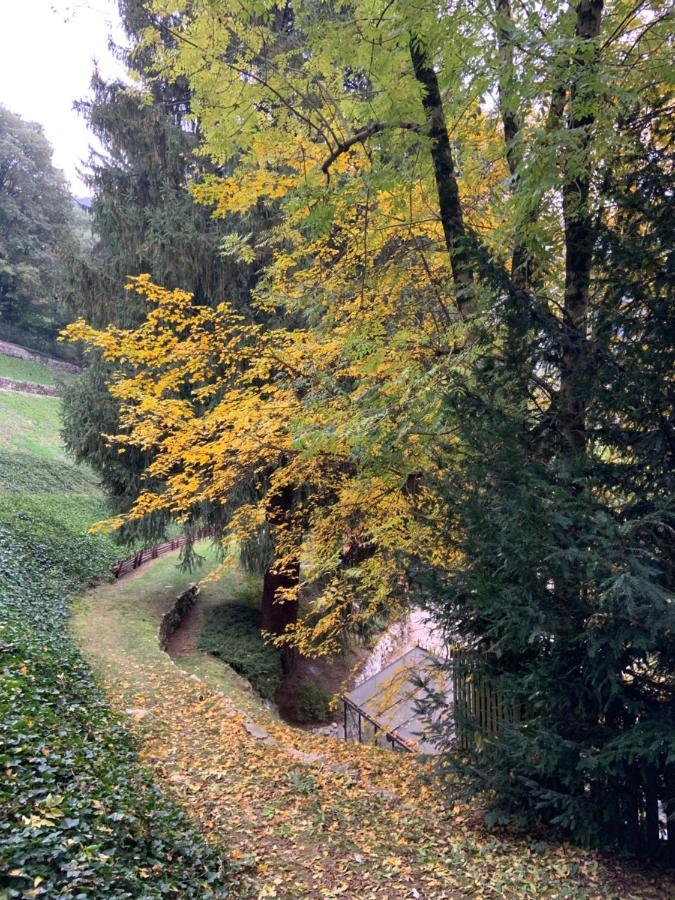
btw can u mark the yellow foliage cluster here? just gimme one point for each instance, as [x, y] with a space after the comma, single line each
[341, 408]
[218, 401]
[332, 386]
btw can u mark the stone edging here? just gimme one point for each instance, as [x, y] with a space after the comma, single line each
[19, 352]
[173, 618]
[29, 387]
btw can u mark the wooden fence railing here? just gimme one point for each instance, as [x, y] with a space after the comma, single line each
[126, 566]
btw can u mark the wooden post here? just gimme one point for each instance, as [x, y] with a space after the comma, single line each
[651, 813]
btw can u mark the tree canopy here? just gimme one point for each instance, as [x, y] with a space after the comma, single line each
[453, 385]
[143, 219]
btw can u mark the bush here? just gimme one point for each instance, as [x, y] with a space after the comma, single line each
[307, 702]
[232, 633]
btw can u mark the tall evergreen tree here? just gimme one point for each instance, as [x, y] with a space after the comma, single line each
[565, 512]
[145, 220]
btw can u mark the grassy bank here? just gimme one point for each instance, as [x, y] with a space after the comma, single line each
[78, 815]
[28, 370]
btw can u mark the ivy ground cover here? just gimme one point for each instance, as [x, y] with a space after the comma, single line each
[78, 816]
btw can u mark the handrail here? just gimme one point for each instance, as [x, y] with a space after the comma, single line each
[146, 554]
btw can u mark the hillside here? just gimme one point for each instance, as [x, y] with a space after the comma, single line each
[31, 370]
[303, 815]
[79, 815]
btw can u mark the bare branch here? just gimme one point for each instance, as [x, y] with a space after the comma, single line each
[361, 136]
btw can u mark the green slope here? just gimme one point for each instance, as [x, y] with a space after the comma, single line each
[78, 816]
[27, 370]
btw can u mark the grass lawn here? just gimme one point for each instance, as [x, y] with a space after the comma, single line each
[31, 423]
[32, 457]
[27, 370]
[120, 619]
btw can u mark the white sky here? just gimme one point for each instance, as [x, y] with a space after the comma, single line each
[47, 54]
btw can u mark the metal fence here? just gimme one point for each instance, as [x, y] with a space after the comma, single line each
[360, 728]
[479, 708]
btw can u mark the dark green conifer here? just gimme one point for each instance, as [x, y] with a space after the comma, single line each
[144, 220]
[566, 592]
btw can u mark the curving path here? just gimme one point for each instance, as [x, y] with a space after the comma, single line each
[303, 815]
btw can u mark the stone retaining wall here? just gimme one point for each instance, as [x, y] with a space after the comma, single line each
[173, 618]
[29, 387]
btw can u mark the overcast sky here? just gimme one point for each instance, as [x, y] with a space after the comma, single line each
[47, 54]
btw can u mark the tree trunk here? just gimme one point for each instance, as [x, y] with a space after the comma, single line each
[511, 122]
[579, 236]
[278, 613]
[275, 615]
[669, 809]
[509, 113]
[449, 200]
[518, 301]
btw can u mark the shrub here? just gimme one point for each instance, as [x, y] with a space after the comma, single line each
[232, 633]
[307, 702]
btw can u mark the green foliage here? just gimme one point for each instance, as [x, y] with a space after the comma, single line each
[50, 532]
[36, 230]
[301, 782]
[232, 633]
[79, 816]
[20, 475]
[143, 215]
[89, 413]
[567, 577]
[307, 701]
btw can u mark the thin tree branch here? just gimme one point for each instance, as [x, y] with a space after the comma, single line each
[362, 136]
